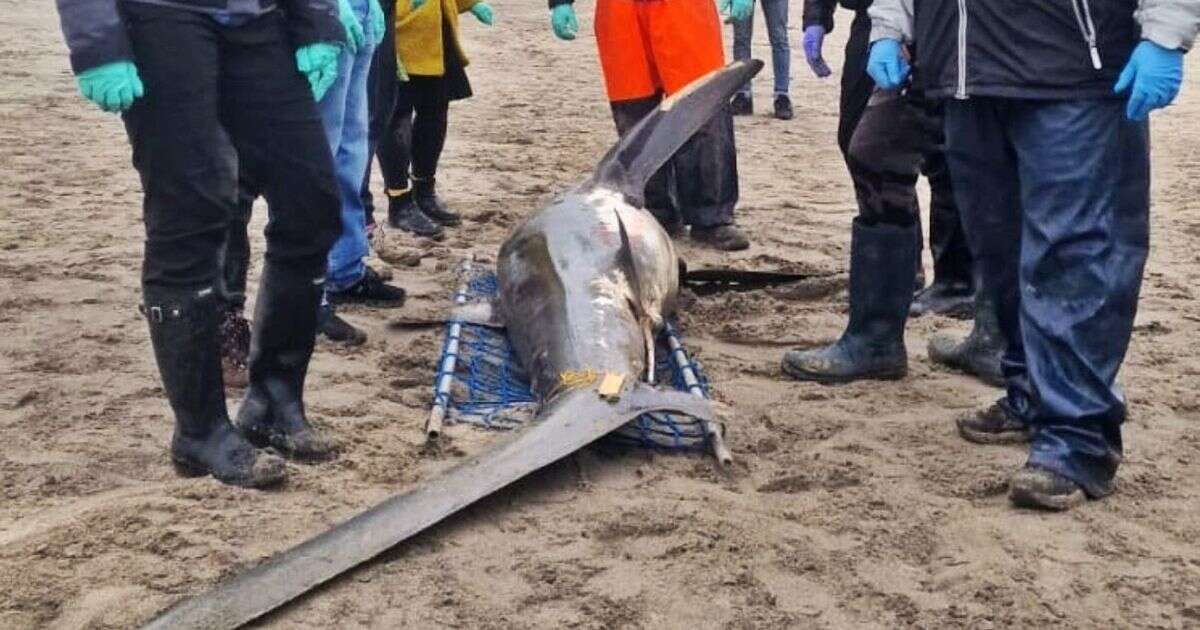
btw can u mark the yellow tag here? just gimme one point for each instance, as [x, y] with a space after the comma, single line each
[610, 387]
[572, 379]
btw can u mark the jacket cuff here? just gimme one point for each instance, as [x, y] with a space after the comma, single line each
[106, 51]
[1170, 36]
[880, 30]
[555, 3]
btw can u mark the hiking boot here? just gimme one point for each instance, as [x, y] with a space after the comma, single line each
[872, 346]
[235, 348]
[184, 330]
[425, 194]
[726, 238]
[995, 425]
[980, 353]
[952, 299]
[285, 325]
[1038, 488]
[742, 105]
[783, 108]
[370, 290]
[405, 214]
[338, 330]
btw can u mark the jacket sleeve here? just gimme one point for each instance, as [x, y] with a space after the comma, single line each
[1169, 23]
[94, 32]
[314, 21]
[893, 19]
[554, 3]
[819, 13]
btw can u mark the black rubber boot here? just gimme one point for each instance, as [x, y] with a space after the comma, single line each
[872, 347]
[726, 238]
[184, 327]
[285, 326]
[336, 329]
[952, 299]
[980, 352]
[742, 105]
[1041, 489]
[405, 214]
[783, 108]
[425, 194]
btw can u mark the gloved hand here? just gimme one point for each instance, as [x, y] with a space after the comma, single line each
[319, 63]
[378, 22]
[737, 10]
[564, 22]
[1154, 73]
[113, 86]
[354, 29]
[483, 12]
[886, 64]
[814, 41]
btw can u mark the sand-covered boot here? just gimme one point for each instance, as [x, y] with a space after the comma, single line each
[872, 347]
[425, 194]
[404, 214]
[285, 326]
[979, 354]
[1038, 488]
[184, 327]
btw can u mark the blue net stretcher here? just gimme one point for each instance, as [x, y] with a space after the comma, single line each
[480, 381]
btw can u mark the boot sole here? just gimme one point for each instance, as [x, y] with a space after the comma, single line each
[995, 439]
[264, 443]
[192, 470]
[1023, 498]
[826, 379]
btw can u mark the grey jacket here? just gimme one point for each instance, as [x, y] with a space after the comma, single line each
[96, 35]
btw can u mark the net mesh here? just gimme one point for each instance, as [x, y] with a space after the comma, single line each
[489, 389]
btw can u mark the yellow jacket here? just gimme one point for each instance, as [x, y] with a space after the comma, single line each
[419, 35]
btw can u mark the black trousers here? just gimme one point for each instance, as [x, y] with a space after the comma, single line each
[700, 184]
[915, 152]
[220, 100]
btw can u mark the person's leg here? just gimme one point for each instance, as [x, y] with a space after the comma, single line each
[429, 139]
[776, 14]
[627, 114]
[743, 35]
[886, 153]
[857, 85]
[399, 146]
[268, 108]
[188, 169]
[987, 189]
[381, 90]
[1085, 190]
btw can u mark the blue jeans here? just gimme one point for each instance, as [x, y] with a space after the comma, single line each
[346, 118]
[1055, 200]
[776, 14]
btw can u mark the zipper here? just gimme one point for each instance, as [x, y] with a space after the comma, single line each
[1087, 27]
[961, 93]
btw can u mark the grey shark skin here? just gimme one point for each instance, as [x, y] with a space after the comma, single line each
[583, 284]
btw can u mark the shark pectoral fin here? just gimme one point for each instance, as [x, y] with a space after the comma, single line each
[476, 313]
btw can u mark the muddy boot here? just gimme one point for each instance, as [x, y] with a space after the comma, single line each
[184, 328]
[405, 214]
[1041, 489]
[235, 348]
[285, 325]
[872, 347]
[336, 329]
[425, 194]
[726, 238]
[980, 352]
[952, 299]
[742, 105]
[995, 425]
[783, 108]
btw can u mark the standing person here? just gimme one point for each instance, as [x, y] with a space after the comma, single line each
[207, 88]
[952, 289]
[346, 119]
[649, 50]
[1048, 145]
[775, 12]
[431, 56]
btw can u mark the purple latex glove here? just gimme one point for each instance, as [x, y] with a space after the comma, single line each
[814, 40]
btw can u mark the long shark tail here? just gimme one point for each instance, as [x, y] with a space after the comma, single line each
[641, 152]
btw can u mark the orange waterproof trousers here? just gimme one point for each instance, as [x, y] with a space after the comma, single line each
[649, 47]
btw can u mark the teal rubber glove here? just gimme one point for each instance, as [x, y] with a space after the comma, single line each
[483, 12]
[319, 64]
[377, 21]
[417, 4]
[564, 22]
[1152, 76]
[886, 64]
[113, 86]
[355, 38]
[737, 10]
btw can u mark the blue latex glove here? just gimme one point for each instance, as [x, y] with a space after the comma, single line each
[319, 64]
[355, 38]
[483, 12]
[886, 64]
[377, 21]
[113, 86]
[564, 22]
[737, 10]
[1155, 74]
[814, 41]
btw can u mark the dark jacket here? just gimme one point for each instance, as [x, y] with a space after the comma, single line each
[1042, 49]
[820, 12]
[96, 35]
